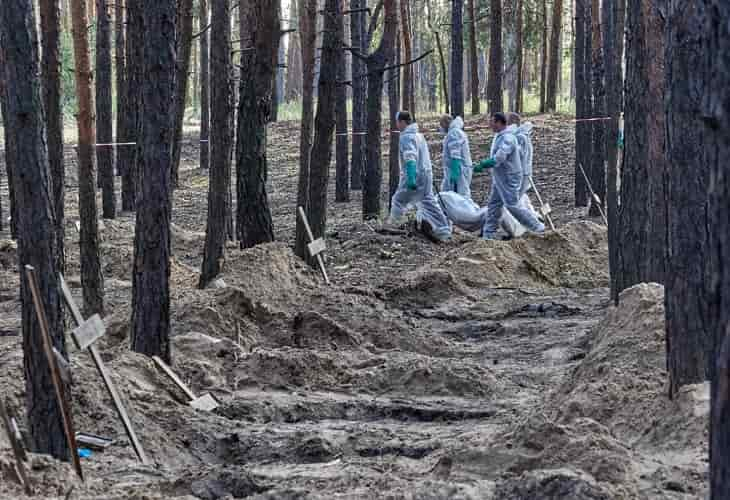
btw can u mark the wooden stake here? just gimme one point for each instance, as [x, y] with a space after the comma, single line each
[18, 450]
[594, 196]
[101, 368]
[545, 213]
[55, 372]
[206, 402]
[318, 255]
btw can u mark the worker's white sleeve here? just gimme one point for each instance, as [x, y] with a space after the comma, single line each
[408, 148]
[455, 147]
[508, 145]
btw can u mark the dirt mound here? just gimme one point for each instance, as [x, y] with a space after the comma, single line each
[425, 289]
[8, 255]
[576, 256]
[550, 485]
[313, 330]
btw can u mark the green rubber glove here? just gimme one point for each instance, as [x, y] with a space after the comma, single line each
[455, 170]
[411, 175]
[620, 140]
[487, 163]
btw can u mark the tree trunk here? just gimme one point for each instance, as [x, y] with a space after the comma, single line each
[551, 93]
[642, 214]
[127, 159]
[582, 101]
[150, 328]
[689, 340]
[293, 59]
[9, 152]
[358, 39]
[342, 176]
[474, 66]
[544, 58]
[376, 64]
[407, 95]
[50, 16]
[184, 49]
[307, 13]
[496, 63]
[613, 25]
[204, 88]
[393, 99]
[324, 122]
[457, 57]
[104, 121]
[254, 110]
[520, 55]
[120, 74]
[92, 281]
[23, 119]
[597, 171]
[444, 74]
[220, 141]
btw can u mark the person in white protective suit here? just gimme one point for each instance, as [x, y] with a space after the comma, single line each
[415, 188]
[507, 177]
[456, 156]
[524, 140]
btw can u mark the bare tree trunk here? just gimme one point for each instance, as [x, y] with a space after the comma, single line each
[407, 94]
[544, 58]
[642, 214]
[359, 42]
[520, 55]
[394, 136]
[444, 74]
[9, 152]
[92, 280]
[551, 93]
[50, 16]
[496, 63]
[689, 338]
[120, 74]
[254, 109]
[342, 176]
[127, 159]
[457, 57]
[376, 64]
[473, 58]
[293, 58]
[582, 101]
[598, 165]
[307, 30]
[150, 328]
[23, 119]
[204, 88]
[104, 120]
[184, 48]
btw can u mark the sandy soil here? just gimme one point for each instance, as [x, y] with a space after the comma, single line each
[469, 370]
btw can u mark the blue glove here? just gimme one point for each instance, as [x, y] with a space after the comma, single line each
[411, 175]
[455, 170]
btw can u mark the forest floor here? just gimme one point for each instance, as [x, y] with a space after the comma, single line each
[470, 370]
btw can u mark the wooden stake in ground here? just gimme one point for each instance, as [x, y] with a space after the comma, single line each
[594, 196]
[206, 402]
[55, 372]
[18, 450]
[544, 207]
[86, 341]
[315, 247]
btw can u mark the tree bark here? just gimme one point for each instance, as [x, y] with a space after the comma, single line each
[104, 120]
[204, 88]
[597, 170]
[376, 64]
[551, 93]
[254, 110]
[582, 101]
[342, 176]
[50, 15]
[307, 30]
[520, 55]
[324, 122]
[642, 213]
[407, 94]
[496, 62]
[220, 141]
[473, 58]
[358, 40]
[689, 339]
[127, 159]
[444, 74]
[23, 119]
[544, 58]
[457, 57]
[184, 49]
[9, 152]
[294, 59]
[120, 74]
[393, 100]
[92, 281]
[150, 328]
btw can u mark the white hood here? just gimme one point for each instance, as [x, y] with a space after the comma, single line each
[456, 123]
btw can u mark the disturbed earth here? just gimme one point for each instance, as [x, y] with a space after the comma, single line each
[466, 370]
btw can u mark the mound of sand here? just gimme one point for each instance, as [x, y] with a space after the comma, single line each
[425, 289]
[552, 484]
[576, 256]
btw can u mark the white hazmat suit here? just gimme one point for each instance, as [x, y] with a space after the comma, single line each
[456, 147]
